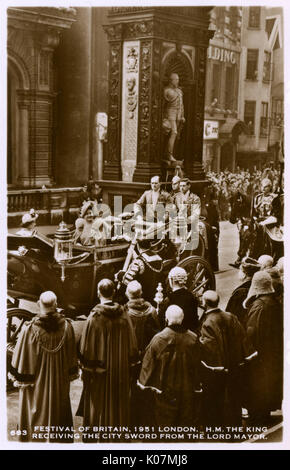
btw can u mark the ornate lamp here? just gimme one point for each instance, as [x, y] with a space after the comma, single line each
[63, 243]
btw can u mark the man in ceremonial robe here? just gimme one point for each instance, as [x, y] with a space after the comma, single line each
[43, 364]
[224, 353]
[264, 326]
[107, 351]
[171, 369]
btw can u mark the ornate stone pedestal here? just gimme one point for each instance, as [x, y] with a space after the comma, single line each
[147, 44]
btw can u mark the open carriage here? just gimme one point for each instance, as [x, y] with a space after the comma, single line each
[39, 263]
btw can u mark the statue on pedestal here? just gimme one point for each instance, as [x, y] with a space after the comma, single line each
[173, 118]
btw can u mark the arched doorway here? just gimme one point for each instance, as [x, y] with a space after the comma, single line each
[178, 63]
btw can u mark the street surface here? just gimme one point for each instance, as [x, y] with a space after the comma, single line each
[226, 281]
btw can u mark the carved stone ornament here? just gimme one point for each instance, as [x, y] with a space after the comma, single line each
[114, 32]
[132, 60]
[131, 96]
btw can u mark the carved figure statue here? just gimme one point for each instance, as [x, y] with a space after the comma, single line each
[173, 112]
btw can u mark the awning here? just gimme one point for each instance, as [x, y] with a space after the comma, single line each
[232, 128]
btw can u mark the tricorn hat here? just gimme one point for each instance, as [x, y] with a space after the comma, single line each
[249, 266]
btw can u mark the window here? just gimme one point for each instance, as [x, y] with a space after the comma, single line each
[264, 119]
[230, 88]
[216, 80]
[254, 17]
[267, 66]
[277, 112]
[249, 115]
[252, 64]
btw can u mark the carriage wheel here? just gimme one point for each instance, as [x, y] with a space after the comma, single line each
[200, 275]
[15, 320]
[199, 251]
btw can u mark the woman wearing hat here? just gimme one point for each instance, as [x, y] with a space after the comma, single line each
[84, 233]
[264, 325]
[28, 223]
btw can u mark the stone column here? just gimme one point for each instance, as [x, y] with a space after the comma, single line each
[23, 144]
[112, 164]
[148, 156]
[195, 169]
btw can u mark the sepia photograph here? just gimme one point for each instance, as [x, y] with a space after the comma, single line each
[144, 231]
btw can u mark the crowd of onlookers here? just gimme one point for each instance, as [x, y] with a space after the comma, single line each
[226, 184]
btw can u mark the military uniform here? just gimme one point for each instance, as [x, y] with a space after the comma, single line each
[146, 269]
[263, 205]
[187, 204]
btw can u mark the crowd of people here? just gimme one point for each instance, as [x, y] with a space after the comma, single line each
[226, 184]
[187, 365]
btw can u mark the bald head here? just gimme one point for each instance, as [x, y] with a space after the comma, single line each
[134, 290]
[266, 261]
[47, 302]
[106, 289]
[174, 315]
[211, 298]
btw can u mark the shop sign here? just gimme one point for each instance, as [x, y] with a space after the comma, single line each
[224, 55]
[211, 130]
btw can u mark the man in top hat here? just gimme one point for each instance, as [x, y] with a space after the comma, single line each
[28, 224]
[151, 204]
[264, 326]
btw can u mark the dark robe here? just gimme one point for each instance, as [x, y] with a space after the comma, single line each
[43, 364]
[145, 323]
[224, 351]
[235, 303]
[171, 368]
[107, 349]
[188, 302]
[265, 331]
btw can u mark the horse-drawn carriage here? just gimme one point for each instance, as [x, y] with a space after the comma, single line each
[39, 263]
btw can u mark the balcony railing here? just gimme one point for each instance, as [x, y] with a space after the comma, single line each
[51, 204]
